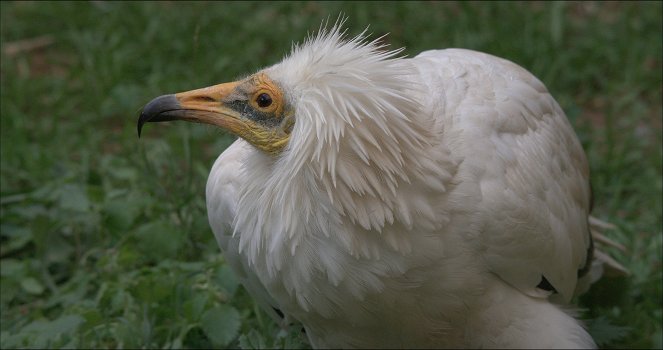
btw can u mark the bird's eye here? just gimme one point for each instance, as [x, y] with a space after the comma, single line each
[264, 100]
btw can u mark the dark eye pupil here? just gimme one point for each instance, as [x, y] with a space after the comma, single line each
[264, 100]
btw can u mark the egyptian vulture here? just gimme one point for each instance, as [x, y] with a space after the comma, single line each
[391, 202]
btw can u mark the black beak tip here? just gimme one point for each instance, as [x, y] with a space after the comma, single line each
[140, 124]
[162, 108]
[142, 119]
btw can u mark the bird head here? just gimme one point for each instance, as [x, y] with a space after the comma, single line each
[347, 111]
[327, 85]
[253, 109]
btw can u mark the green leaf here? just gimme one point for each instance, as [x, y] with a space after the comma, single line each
[605, 332]
[226, 278]
[30, 212]
[221, 324]
[12, 268]
[73, 197]
[57, 249]
[152, 288]
[127, 256]
[30, 334]
[252, 340]
[32, 286]
[159, 239]
[92, 317]
[194, 307]
[64, 324]
[19, 237]
[123, 173]
[120, 214]
[41, 333]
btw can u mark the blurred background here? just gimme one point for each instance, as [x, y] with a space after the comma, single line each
[104, 236]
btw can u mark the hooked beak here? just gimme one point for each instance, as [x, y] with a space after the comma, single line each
[200, 106]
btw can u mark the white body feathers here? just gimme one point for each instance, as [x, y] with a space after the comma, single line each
[418, 203]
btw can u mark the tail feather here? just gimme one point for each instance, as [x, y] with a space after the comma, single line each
[597, 223]
[602, 263]
[610, 266]
[602, 239]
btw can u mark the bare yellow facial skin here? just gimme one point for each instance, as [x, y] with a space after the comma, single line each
[271, 141]
[253, 109]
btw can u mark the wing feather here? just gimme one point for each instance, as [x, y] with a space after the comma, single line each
[522, 153]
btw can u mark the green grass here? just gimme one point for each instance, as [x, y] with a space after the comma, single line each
[104, 237]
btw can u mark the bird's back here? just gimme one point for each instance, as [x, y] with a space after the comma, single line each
[522, 158]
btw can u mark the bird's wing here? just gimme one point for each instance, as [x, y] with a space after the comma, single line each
[221, 193]
[532, 174]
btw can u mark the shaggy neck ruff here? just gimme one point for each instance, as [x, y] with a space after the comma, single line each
[360, 147]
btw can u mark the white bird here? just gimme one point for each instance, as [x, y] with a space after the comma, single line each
[390, 202]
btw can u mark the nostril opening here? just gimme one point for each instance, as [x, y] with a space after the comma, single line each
[204, 99]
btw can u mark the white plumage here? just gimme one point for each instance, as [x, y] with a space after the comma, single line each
[418, 202]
